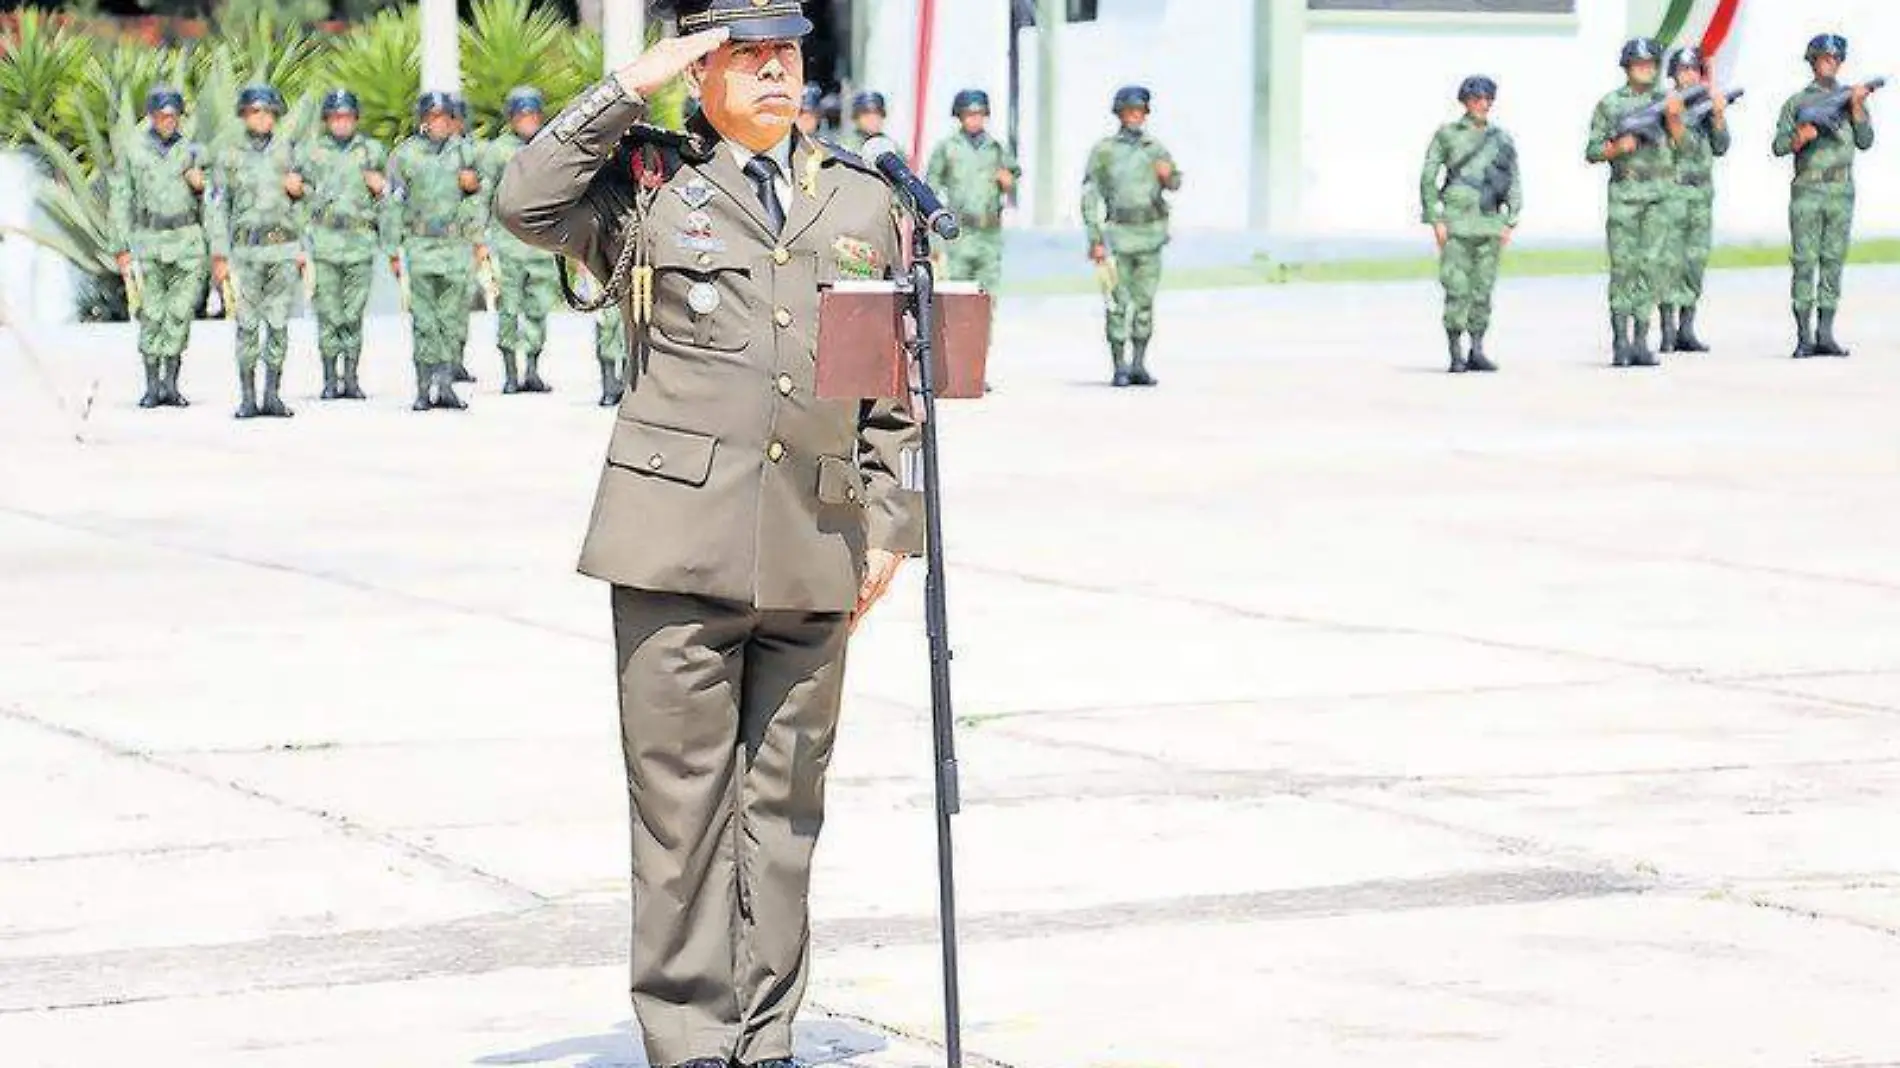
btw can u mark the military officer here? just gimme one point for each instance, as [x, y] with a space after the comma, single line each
[1472, 211]
[342, 171]
[529, 285]
[974, 172]
[156, 198]
[431, 176]
[1821, 205]
[743, 522]
[1125, 208]
[1642, 188]
[256, 227]
[1693, 212]
[868, 116]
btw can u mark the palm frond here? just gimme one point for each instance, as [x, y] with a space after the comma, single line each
[507, 43]
[381, 61]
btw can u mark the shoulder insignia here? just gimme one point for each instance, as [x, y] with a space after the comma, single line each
[835, 153]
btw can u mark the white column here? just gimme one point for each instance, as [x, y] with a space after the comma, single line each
[623, 32]
[1050, 17]
[441, 46]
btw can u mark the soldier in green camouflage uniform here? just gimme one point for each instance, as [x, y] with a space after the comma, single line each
[474, 234]
[156, 197]
[610, 349]
[342, 172]
[1692, 212]
[431, 176]
[1642, 188]
[256, 230]
[529, 286]
[1126, 213]
[868, 114]
[973, 171]
[1821, 207]
[1472, 212]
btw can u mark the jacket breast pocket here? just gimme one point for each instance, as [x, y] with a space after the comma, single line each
[839, 481]
[705, 302]
[662, 452]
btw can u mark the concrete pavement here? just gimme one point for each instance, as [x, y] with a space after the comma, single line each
[1318, 709]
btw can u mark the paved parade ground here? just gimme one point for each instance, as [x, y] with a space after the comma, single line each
[1318, 708]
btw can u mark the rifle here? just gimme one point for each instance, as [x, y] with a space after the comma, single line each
[1646, 122]
[134, 288]
[1108, 277]
[1826, 113]
[1700, 112]
[491, 286]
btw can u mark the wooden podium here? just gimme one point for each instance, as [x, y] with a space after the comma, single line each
[865, 334]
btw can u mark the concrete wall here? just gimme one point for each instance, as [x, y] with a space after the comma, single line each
[38, 283]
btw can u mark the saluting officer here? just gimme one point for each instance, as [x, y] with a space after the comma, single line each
[529, 285]
[1125, 208]
[342, 170]
[743, 522]
[1693, 216]
[973, 172]
[1642, 190]
[1472, 211]
[1821, 206]
[255, 225]
[431, 176]
[156, 199]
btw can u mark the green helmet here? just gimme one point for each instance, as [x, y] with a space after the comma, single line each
[1640, 50]
[340, 100]
[260, 95]
[970, 100]
[1828, 44]
[164, 98]
[1132, 96]
[524, 100]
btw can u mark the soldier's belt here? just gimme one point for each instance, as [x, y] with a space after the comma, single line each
[169, 222]
[1466, 180]
[1645, 175]
[1134, 216]
[1695, 180]
[262, 235]
[436, 229]
[1830, 175]
[354, 226]
[984, 221]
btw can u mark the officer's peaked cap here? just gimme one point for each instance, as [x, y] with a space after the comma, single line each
[746, 20]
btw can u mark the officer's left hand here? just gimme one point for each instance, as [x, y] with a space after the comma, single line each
[293, 185]
[1164, 170]
[470, 181]
[880, 567]
[1005, 180]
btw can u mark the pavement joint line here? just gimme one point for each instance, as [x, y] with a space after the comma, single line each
[349, 828]
[593, 933]
[1692, 559]
[1807, 913]
[970, 1057]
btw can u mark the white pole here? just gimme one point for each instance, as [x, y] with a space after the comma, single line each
[441, 46]
[623, 32]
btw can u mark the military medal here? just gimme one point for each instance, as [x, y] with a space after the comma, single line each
[857, 258]
[703, 298]
[696, 234]
[696, 193]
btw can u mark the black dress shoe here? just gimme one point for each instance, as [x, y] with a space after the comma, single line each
[706, 1062]
[781, 1062]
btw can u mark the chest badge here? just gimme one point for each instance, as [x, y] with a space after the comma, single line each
[703, 298]
[696, 233]
[697, 193]
[858, 258]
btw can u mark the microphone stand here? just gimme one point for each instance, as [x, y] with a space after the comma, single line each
[916, 290]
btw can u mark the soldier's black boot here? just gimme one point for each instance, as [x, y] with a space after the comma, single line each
[352, 389]
[153, 395]
[1686, 339]
[461, 373]
[1803, 336]
[168, 383]
[1138, 365]
[330, 389]
[273, 405]
[1115, 352]
[531, 376]
[510, 382]
[1670, 337]
[610, 388]
[1640, 356]
[1478, 360]
[424, 377]
[1619, 340]
[1824, 343]
[247, 388]
[1455, 344]
[445, 388]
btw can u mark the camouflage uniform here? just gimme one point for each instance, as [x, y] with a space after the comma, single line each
[1642, 190]
[1691, 219]
[1463, 152]
[1123, 207]
[255, 224]
[427, 218]
[156, 217]
[529, 286]
[610, 349]
[963, 171]
[1820, 214]
[343, 245]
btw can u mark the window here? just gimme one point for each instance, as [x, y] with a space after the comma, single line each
[1082, 10]
[1451, 7]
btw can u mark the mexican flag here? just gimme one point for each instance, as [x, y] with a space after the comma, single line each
[1714, 25]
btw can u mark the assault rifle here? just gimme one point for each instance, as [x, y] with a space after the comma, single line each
[1646, 122]
[1700, 111]
[1827, 113]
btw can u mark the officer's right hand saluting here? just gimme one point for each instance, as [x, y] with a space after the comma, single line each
[667, 60]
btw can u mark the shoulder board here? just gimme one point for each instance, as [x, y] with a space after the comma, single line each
[835, 153]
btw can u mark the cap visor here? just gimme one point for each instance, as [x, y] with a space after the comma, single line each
[781, 28]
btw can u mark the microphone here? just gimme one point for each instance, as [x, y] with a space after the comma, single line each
[883, 154]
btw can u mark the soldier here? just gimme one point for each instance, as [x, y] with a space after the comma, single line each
[974, 172]
[1821, 206]
[868, 115]
[1642, 188]
[610, 350]
[431, 176]
[1693, 213]
[744, 523]
[529, 285]
[1472, 214]
[156, 196]
[343, 179]
[808, 109]
[1125, 208]
[474, 234]
[255, 225]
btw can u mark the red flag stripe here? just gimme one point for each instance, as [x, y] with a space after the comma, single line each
[1720, 24]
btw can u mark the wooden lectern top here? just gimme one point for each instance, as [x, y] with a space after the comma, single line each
[862, 328]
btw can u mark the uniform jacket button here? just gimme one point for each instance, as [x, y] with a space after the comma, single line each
[656, 461]
[775, 452]
[781, 257]
[785, 385]
[782, 317]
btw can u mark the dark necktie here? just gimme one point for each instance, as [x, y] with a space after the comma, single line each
[764, 173]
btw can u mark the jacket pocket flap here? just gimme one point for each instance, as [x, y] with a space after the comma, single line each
[676, 455]
[839, 481]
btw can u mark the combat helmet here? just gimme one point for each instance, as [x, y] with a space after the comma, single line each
[260, 95]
